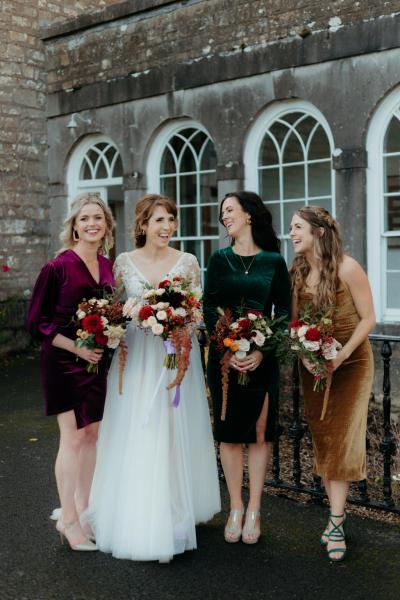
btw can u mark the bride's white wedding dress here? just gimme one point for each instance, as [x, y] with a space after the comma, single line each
[156, 473]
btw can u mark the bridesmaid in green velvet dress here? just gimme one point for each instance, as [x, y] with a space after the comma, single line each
[251, 273]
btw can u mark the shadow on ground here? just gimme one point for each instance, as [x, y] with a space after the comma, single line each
[288, 563]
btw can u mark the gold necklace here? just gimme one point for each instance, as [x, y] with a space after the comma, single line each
[246, 269]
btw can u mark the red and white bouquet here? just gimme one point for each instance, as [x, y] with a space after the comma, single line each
[312, 338]
[251, 331]
[172, 310]
[101, 324]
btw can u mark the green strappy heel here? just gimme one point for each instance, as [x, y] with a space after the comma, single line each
[336, 534]
[323, 540]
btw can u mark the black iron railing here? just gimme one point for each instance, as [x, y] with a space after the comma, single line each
[297, 429]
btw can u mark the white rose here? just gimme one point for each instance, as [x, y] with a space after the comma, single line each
[161, 305]
[148, 294]
[145, 323]
[243, 345]
[259, 338]
[113, 343]
[251, 316]
[301, 332]
[157, 329]
[160, 291]
[102, 302]
[293, 332]
[269, 332]
[80, 314]
[313, 346]
[161, 315]
[129, 307]
[151, 321]
[239, 354]
[329, 351]
[181, 312]
[104, 321]
[92, 301]
[234, 325]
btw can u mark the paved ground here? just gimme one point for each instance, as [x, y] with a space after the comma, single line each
[288, 563]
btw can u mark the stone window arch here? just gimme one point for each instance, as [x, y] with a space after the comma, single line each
[96, 165]
[288, 161]
[183, 165]
[383, 208]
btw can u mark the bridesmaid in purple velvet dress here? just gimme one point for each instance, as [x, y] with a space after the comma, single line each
[77, 398]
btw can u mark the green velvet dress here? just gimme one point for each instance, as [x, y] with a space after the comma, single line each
[227, 286]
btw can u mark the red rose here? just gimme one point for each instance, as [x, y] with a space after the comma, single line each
[145, 312]
[313, 334]
[296, 324]
[5, 268]
[92, 324]
[101, 340]
[244, 323]
[165, 283]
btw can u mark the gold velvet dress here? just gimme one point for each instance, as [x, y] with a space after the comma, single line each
[339, 441]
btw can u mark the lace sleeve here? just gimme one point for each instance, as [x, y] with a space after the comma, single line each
[193, 269]
[120, 271]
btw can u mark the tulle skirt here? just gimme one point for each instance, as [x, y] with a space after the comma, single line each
[156, 473]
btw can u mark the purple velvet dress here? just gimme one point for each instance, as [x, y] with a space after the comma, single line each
[62, 283]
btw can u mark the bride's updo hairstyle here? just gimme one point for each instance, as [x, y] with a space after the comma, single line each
[262, 230]
[144, 209]
[328, 249]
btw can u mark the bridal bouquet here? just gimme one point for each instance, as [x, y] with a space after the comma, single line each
[101, 325]
[171, 311]
[312, 338]
[251, 331]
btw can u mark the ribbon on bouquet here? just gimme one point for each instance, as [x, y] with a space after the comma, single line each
[170, 349]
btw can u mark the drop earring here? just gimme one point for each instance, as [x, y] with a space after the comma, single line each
[248, 220]
[75, 235]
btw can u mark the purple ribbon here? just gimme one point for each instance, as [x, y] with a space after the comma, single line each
[169, 347]
[177, 398]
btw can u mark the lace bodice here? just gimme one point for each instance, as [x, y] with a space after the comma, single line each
[135, 283]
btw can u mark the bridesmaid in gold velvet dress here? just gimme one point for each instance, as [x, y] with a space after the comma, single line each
[326, 277]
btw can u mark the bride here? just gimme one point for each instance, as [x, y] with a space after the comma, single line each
[156, 474]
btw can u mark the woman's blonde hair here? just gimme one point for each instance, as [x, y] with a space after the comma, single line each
[328, 248]
[144, 210]
[81, 200]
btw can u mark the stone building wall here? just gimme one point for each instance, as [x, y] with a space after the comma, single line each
[174, 32]
[24, 225]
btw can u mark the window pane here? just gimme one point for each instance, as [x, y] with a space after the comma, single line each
[392, 213]
[168, 187]
[393, 290]
[324, 202]
[209, 220]
[305, 127]
[187, 189]
[279, 130]
[289, 254]
[109, 155]
[177, 142]
[187, 217]
[197, 141]
[268, 153]
[393, 254]
[392, 179]
[85, 170]
[293, 182]
[208, 188]
[319, 145]
[117, 171]
[209, 157]
[269, 184]
[293, 152]
[101, 171]
[188, 163]
[289, 208]
[292, 117]
[209, 247]
[176, 244]
[392, 137]
[167, 162]
[319, 179]
[275, 210]
[194, 247]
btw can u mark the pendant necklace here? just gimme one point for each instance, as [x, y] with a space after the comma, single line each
[246, 269]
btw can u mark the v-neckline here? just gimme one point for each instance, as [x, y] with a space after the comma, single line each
[143, 276]
[87, 268]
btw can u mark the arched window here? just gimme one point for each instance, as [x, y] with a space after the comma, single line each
[184, 159]
[96, 165]
[288, 161]
[383, 214]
